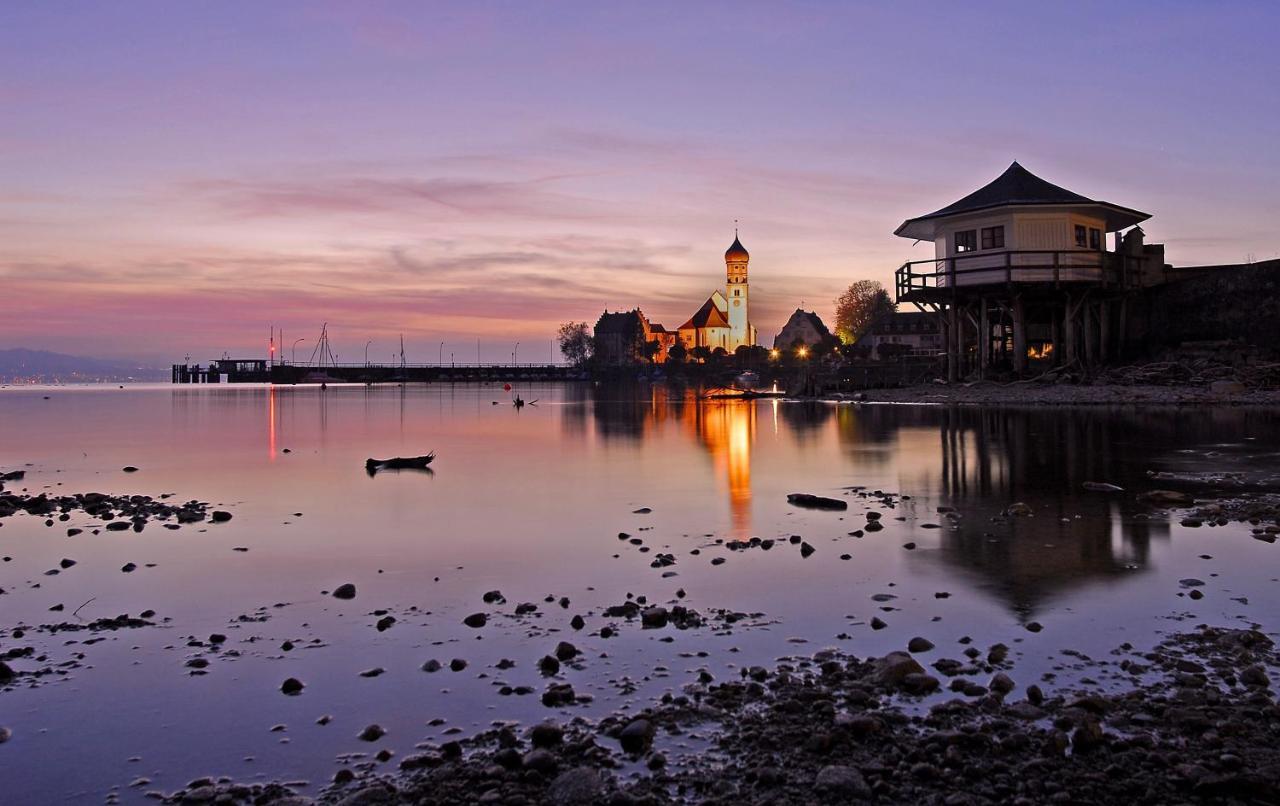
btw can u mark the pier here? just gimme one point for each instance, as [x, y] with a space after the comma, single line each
[258, 370]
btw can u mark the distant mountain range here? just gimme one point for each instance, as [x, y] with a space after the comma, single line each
[40, 366]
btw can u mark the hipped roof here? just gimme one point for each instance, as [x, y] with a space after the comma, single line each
[1018, 187]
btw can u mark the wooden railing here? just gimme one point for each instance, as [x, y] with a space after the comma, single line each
[1007, 268]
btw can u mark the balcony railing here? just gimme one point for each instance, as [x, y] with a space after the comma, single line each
[1007, 268]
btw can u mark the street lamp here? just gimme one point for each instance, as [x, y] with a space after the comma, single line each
[366, 351]
[803, 352]
[294, 352]
[440, 355]
[515, 354]
[773, 353]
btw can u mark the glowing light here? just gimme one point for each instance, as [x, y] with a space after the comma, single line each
[803, 352]
[773, 353]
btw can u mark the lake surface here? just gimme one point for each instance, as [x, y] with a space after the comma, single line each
[531, 502]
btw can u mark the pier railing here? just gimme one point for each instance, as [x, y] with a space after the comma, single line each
[1055, 267]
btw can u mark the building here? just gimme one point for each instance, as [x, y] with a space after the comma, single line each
[628, 337]
[721, 323]
[1021, 254]
[803, 327]
[906, 333]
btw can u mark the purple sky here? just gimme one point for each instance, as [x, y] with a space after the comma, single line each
[174, 177]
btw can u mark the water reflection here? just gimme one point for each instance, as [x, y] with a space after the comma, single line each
[976, 462]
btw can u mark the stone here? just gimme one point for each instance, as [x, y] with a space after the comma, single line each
[636, 736]
[291, 686]
[345, 591]
[841, 781]
[547, 734]
[1002, 683]
[432, 666]
[654, 617]
[1227, 388]
[220, 516]
[893, 668]
[476, 620]
[1255, 676]
[540, 761]
[372, 733]
[1018, 509]
[566, 651]
[920, 683]
[457, 665]
[549, 665]
[579, 786]
[877, 623]
[809, 501]
[919, 644]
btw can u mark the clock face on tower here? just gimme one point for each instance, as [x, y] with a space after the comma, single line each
[737, 302]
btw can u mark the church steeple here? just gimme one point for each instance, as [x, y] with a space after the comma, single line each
[736, 259]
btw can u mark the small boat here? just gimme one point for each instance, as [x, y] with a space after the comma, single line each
[399, 463]
[748, 379]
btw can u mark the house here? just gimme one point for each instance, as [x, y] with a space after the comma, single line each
[804, 327]
[621, 338]
[903, 333]
[1020, 254]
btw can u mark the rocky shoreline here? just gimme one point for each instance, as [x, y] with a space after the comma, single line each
[1197, 724]
[1067, 394]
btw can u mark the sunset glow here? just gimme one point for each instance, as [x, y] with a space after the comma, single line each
[454, 173]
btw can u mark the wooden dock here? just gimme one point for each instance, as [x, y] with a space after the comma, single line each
[260, 371]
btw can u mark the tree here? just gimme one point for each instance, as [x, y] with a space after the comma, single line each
[701, 352]
[575, 341]
[651, 349]
[858, 307]
[677, 353]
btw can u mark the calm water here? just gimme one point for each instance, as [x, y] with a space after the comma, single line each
[531, 502]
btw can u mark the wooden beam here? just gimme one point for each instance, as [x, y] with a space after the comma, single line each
[1020, 336]
[984, 340]
[953, 344]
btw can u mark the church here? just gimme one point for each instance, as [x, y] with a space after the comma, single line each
[721, 323]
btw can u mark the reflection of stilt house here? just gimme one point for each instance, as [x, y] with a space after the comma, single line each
[1021, 271]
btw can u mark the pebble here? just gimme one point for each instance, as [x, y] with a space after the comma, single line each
[345, 591]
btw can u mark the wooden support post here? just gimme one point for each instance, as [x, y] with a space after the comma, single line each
[1122, 346]
[984, 340]
[1059, 340]
[1068, 332]
[953, 343]
[1104, 331]
[1090, 336]
[1019, 336]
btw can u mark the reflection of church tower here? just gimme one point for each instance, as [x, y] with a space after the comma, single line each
[735, 261]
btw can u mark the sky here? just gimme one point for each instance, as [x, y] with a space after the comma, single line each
[177, 178]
